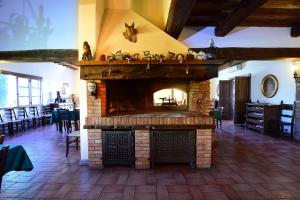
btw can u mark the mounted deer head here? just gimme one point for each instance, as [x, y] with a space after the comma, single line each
[130, 33]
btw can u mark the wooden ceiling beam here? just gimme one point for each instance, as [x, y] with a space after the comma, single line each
[295, 30]
[239, 14]
[288, 4]
[232, 53]
[178, 15]
[41, 55]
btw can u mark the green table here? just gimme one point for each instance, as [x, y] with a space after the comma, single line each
[73, 115]
[17, 159]
[65, 115]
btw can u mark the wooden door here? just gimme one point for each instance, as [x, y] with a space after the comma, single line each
[226, 99]
[242, 96]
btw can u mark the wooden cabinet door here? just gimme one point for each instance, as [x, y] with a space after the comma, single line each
[242, 96]
[225, 98]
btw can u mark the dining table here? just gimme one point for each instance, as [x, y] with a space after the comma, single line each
[17, 159]
[60, 115]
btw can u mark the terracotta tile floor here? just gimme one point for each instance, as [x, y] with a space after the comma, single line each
[246, 165]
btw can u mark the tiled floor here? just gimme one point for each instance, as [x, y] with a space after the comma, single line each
[246, 165]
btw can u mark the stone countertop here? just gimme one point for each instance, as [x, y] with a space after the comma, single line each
[162, 114]
[151, 127]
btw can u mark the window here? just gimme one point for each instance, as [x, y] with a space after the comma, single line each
[8, 92]
[19, 89]
[171, 96]
[23, 91]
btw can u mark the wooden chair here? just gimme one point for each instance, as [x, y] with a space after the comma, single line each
[27, 122]
[47, 114]
[64, 120]
[3, 126]
[14, 124]
[3, 158]
[218, 116]
[287, 120]
[76, 136]
[2, 139]
[37, 118]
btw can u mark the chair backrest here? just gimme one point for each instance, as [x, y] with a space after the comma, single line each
[287, 118]
[2, 138]
[1, 119]
[21, 113]
[3, 158]
[33, 111]
[47, 110]
[9, 114]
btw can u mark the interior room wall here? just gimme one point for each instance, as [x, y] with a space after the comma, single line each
[38, 24]
[51, 82]
[282, 70]
[149, 37]
[145, 8]
[90, 16]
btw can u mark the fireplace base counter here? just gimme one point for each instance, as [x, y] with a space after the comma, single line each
[195, 141]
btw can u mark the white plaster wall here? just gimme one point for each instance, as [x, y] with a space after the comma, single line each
[283, 70]
[146, 8]
[149, 36]
[241, 37]
[89, 27]
[53, 75]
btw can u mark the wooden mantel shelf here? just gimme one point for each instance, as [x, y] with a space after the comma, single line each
[137, 69]
[151, 62]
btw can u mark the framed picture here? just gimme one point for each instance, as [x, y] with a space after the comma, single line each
[269, 86]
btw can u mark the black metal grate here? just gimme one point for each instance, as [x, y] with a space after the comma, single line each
[173, 146]
[118, 147]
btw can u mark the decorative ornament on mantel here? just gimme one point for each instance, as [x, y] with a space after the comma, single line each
[87, 54]
[130, 33]
[170, 56]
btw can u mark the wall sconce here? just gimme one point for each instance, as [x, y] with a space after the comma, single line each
[296, 67]
[92, 88]
[296, 77]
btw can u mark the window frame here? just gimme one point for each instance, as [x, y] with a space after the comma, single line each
[30, 78]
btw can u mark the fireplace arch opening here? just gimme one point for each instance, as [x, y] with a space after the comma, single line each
[170, 97]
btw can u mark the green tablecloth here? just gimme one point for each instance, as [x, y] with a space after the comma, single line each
[72, 115]
[17, 159]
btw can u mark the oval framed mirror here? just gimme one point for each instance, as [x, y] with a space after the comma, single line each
[269, 86]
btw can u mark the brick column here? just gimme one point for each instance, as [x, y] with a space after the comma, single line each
[199, 97]
[203, 145]
[95, 148]
[94, 103]
[142, 149]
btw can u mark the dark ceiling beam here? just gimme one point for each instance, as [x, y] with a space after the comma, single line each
[239, 14]
[178, 14]
[69, 65]
[295, 30]
[288, 4]
[41, 55]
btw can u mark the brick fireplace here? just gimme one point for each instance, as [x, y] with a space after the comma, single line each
[195, 117]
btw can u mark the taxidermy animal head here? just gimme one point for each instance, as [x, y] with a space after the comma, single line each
[87, 54]
[130, 33]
